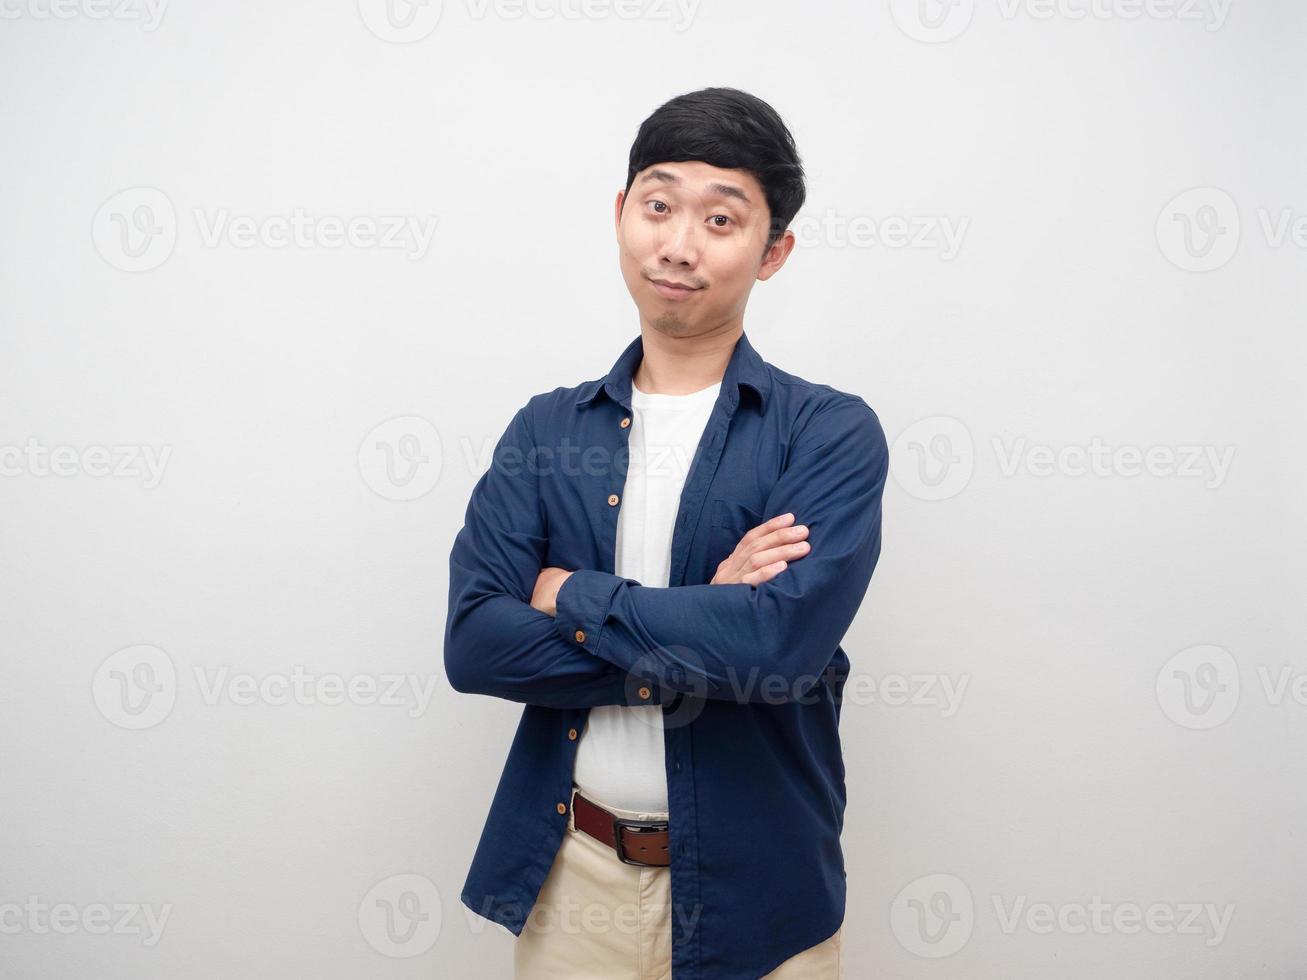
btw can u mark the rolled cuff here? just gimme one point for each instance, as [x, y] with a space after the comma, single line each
[582, 606]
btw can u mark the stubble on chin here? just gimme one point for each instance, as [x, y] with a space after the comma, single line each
[671, 324]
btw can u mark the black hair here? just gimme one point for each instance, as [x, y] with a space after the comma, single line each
[731, 129]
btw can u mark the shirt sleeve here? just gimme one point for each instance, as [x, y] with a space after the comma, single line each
[770, 642]
[495, 642]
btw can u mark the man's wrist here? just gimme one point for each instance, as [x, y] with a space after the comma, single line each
[561, 579]
[581, 606]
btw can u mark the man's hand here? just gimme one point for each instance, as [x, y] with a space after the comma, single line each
[545, 595]
[763, 552]
[760, 556]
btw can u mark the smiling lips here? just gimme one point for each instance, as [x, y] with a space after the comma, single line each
[672, 290]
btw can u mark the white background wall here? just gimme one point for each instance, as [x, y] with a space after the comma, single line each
[1115, 640]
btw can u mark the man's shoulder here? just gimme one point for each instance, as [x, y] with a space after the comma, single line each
[816, 418]
[807, 402]
[555, 407]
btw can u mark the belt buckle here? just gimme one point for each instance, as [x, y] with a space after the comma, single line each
[639, 827]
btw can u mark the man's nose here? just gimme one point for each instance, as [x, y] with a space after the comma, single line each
[682, 243]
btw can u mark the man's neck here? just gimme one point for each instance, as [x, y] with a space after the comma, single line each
[680, 366]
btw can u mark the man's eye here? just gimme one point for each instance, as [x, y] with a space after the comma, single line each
[660, 204]
[715, 216]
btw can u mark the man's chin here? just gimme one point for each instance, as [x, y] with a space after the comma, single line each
[671, 324]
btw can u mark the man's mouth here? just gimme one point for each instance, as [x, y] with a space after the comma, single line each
[672, 290]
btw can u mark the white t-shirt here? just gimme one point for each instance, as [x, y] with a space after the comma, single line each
[619, 759]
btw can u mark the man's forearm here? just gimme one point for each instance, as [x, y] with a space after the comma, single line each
[734, 642]
[501, 647]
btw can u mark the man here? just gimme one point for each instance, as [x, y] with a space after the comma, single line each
[660, 564]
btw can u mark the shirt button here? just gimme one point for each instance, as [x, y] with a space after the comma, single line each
[580, 636]
[644, 693]
[562, 808]
[625, 422]
[612, 500]
[571, 733]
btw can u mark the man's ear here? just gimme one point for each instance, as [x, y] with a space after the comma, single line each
[775, 257]
[617, 214]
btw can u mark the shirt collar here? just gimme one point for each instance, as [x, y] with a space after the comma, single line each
[745, 368]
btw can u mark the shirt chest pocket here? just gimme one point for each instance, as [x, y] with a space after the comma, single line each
[731, 520]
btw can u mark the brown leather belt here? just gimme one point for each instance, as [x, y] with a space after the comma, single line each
[639, 842]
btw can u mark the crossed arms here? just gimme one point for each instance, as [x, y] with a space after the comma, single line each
[737, 641]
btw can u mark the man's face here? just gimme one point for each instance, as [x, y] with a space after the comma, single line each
[700, 227]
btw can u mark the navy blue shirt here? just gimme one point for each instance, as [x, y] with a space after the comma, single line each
[750, 678]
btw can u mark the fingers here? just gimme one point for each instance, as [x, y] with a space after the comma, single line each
[764, 574]
[766, 527]
[765, 551]
[783, 544]
[781, 537]
[775, 544]
[792, 551]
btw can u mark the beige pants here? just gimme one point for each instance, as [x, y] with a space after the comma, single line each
[599, 919]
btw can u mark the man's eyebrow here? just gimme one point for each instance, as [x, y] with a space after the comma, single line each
[721, 190]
